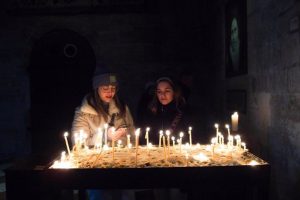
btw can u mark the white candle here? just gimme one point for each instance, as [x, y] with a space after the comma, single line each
[168, 140]
[100, 138]
[128, 140]
[137, 134]
[213, 142]
[190, 134]
[63, 156]
[173, 140]
[164, 145]
[67, 143]
[81, 138]
[238, 141]
[228, 129]
[113, 142]
[147, 135]
[105, 133]
[181, 134]
[234, 121]
[160, 137]
[119, 143]
[217, 129]
[243, 144]
[230, 141]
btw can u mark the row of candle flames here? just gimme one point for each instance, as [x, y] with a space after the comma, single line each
[217, 141]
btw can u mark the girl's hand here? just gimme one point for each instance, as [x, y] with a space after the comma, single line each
[117, 134]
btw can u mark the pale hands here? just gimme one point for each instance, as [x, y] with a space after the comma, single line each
[120, 132]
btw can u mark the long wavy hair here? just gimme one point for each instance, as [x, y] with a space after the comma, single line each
[96, 102]
[178, 97]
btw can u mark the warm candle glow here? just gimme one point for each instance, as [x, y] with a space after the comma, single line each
[253, 163]
[67, 143]
[105, 133]
[160, 137]
[234, 121]
[190, 134]
[228, 129]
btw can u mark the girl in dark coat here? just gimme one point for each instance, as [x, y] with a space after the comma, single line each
[167, 110]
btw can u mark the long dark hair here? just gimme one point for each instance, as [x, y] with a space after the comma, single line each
[95, 101]
[178, 97]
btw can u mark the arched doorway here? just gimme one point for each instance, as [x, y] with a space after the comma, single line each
[61, 67]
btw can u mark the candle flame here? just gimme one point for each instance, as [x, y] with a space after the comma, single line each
[66, 134]
[168, 132]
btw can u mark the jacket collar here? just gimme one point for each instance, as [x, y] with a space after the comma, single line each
[86, 108]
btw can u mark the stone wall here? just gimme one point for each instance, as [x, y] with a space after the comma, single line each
[139, 46]
[272, 85]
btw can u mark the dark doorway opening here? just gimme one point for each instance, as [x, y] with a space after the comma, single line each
[61, 67]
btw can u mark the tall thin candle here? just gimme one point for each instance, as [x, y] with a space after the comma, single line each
[190, 134]
[67, 143]
[105, 133]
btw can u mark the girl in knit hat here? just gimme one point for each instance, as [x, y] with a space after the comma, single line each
[102, 106]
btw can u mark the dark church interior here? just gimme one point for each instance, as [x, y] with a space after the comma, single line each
[230, 55]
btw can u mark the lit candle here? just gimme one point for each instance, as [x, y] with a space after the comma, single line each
[217, 129]
[238, 141]
[128, 140]
[147, 135]
[234, 121]
[173, 140]
[81, 138]
[67, 143]
[113, 142]
[119, 143]
[137, 134]
[100, 133]
[228, 129]
[160, 137]
[190, 134]
[243, 144]
[105, 133]
[221, 139]
[85, 136]
[213, 142]
[63, 156]
[230, 141]
[164, 145]
[180, 143]
[168, 140]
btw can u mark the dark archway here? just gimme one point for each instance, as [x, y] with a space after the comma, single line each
[61, 67]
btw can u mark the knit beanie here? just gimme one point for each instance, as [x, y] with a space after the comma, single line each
[103, 76]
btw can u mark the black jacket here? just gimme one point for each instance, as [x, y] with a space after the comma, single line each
[167, 117]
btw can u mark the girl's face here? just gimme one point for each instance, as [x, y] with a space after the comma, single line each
[164, 92]
[106, 92]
